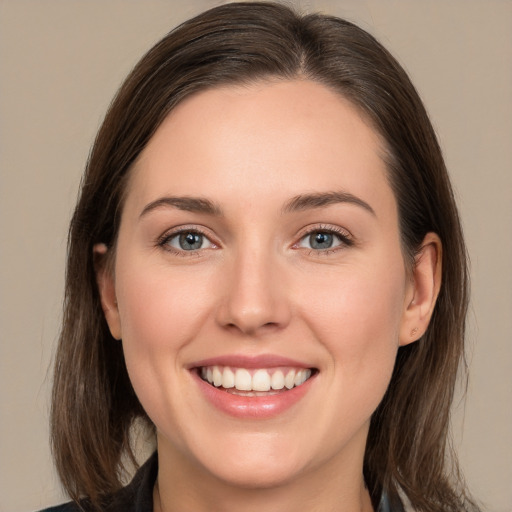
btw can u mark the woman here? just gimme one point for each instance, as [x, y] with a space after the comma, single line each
[266, 266]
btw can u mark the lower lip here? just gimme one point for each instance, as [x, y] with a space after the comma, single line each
[252, 407]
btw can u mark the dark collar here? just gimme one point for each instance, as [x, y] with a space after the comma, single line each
[386, 506]
[137, 496]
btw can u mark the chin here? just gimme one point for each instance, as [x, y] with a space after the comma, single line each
[253, 460]
[251, 474]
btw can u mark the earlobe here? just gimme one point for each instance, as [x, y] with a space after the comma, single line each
[423, 290]
[106, 288]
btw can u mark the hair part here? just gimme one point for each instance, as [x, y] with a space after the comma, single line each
[93, 402]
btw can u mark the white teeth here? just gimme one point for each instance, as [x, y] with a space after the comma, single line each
[289, 380]
[260, 380]
[243, 380]
[217, 377]
[277, 381]
[228, 378]
[301, 376]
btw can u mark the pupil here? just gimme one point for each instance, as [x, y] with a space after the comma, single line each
[190, 241]
[321, 240]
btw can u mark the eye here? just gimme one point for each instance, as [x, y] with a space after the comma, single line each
[187, 241]
[324, 239]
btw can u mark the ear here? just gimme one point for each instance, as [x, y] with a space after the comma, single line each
[422, 290]
[106, 287]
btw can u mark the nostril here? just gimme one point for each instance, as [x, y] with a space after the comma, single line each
[252, 329]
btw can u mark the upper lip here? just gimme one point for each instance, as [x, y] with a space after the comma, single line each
[245, 361]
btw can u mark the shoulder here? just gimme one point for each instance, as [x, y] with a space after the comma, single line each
[65, 507]
[135, 497]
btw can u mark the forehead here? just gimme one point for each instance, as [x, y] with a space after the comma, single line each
[260, 140]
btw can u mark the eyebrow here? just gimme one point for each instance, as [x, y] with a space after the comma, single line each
[186, 203]
[321, 199]
[297, 203]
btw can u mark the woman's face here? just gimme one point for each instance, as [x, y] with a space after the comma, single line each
[258, 247]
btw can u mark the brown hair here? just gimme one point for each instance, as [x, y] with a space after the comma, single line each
[94, 404]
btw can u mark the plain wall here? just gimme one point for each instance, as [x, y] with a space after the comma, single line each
[61, 62]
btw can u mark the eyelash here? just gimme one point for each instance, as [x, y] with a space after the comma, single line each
[163, 241]
[343, 236]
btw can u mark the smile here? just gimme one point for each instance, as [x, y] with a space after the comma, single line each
[245, 381]
[253, 387]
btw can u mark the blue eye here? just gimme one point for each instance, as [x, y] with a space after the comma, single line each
[322, 240]
[188, 241]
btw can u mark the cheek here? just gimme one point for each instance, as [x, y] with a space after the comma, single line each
[161, 313]
[361, 305]
[358, 322]
[160, 309]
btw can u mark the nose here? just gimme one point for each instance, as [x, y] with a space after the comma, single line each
[255, 301]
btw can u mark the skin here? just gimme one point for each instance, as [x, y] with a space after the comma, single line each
[257, 287]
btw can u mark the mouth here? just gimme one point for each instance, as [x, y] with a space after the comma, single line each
[255, 381]
[253, 387]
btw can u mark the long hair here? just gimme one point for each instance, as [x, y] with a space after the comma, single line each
[94, 404]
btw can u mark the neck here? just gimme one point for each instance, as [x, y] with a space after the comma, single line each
[331, 488]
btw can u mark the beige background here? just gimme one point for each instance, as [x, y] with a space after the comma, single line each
[60, 63]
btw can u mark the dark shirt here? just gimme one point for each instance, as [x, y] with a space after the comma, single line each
[138, 495]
